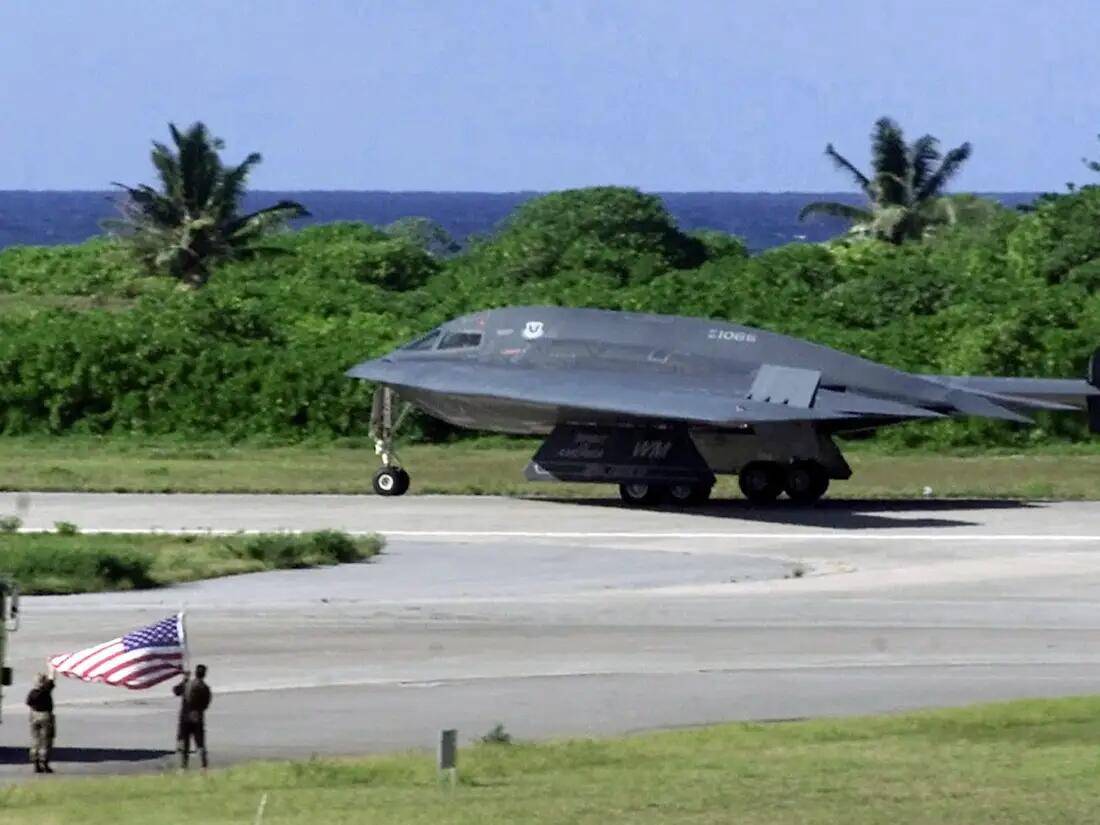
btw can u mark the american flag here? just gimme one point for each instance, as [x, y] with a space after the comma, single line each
[140, 659]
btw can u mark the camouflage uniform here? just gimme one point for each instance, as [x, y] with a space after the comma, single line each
[43, 724]
[195, 698]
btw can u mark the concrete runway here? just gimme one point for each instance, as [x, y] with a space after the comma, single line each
[575, 618]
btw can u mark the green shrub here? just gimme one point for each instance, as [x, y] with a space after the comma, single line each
[73, 569]
[296, 550]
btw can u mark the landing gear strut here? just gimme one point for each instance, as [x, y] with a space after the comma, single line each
[391, 479]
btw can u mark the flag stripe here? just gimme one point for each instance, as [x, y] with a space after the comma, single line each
[168, 674]
[121, 666]
[89, 663]
[113, 661]
[71, 660]
[152, 675]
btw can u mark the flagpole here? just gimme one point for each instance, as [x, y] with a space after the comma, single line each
[184, 641]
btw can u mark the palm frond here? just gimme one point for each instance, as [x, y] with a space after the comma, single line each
[888, 152]
[263, 219]
[842, 163]
[836, 210]
[168, 169]
[952, 162]
[890, 191]
[922, 157]
[230, 189]
[199, 166]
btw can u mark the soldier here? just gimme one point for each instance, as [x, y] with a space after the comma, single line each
[194, 700]
[43, 724]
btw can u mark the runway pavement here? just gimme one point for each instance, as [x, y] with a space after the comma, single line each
[575, 618]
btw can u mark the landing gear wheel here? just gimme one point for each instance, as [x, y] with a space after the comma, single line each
[390, 481]
[641, 494]
[686, 495]
[805, 482]
[761, 481]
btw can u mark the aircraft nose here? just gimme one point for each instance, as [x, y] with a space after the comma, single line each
[374, 370]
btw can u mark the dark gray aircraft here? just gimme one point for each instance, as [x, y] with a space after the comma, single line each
[660, 404]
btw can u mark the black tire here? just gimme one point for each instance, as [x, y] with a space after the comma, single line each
[390, 481]
[641, 494]
[805, 482]
[404, 482]
[688, 495]
[761, 481]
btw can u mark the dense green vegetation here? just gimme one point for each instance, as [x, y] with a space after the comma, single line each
[68, 562]
[89, 343]
[1006, 764]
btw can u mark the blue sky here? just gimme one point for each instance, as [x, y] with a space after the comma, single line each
[501, 95]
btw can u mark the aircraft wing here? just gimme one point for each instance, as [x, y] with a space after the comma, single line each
[780, 395]
[1034, 393]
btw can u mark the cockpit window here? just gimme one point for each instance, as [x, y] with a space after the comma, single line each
[460, 340]
[427, 342]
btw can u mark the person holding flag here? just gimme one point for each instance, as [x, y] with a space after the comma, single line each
[195, 697]
[43, 722]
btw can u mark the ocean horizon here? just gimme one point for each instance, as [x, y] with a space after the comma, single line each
[762, 219]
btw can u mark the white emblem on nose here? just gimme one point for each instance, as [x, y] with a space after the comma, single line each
[532, 330]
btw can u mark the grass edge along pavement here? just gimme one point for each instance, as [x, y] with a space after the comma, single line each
[1031, 761]
[495, 467]
[53, 563]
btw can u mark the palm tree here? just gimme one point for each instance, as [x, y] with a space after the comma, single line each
[193, 220]
[906, 189]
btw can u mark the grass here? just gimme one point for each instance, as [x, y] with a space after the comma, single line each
[71, 563]
[491, 467]
[1007, 764]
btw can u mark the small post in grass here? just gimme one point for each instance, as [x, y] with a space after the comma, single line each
[448, 756]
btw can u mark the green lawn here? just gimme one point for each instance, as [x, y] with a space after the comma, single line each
[53, 563]
[1030, 762]
[493, 467]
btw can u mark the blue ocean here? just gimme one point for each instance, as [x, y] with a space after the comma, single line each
[763, 219]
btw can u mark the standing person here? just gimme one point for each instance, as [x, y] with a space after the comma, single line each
[43, 723]
[195, 697]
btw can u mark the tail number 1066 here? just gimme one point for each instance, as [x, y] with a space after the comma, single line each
[731, 335]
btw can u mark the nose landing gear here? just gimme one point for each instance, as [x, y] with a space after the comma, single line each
[391, 479]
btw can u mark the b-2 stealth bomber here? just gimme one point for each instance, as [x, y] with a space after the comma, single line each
[660, 405]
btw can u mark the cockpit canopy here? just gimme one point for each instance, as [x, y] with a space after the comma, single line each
[440, 339]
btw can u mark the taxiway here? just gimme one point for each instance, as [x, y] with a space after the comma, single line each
[574, 619]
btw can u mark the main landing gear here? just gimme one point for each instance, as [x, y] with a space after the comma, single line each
[804, 482]
[648, 495]
[391, 479]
